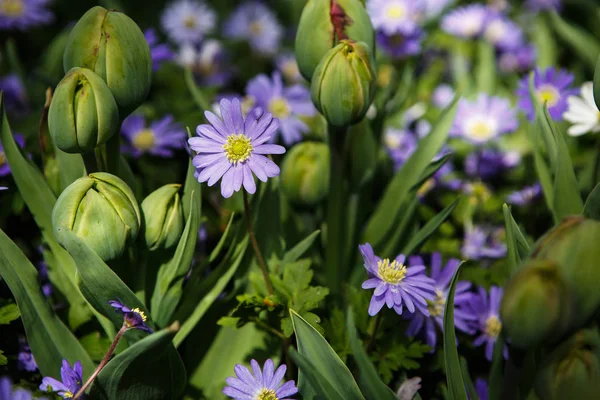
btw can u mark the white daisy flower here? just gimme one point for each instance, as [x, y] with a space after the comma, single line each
[583, 112]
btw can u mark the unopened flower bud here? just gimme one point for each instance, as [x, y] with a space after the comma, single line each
[305, 173]
[163, 217]
[344, 83]
[113, 46]
[102, 211]
[323, 24]
[83, 113]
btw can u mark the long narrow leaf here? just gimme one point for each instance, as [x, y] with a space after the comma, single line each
[583, 43]
[495, 381]
[592, 204]
[456, 384]
[518, 246]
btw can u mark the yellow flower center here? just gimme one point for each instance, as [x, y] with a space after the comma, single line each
[266, 394]
[237, 148]
[256, 28]
[189, 22]
[279, 107]
[493, 326]
[2, 158]
[140, 313]
[395, 11]
[12, 8]
[290, 70]
[479, 193]
[436, 307]
[68, 395]
[481, 130]
[392, 272]
[144, 140]
[547, 94]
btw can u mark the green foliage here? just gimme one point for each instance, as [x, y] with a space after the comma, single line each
[9, 313]
[454, 374]
[399, 355]
[3, 359]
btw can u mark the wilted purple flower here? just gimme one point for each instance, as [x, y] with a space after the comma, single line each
[14, 96]
[72, 379]
[401, 45]
[4, 167]
[25, 358]
[552, 87]
[489, 163]
[466, 22]
[24, 14]
[442, 96]
[133, 318]
[520, 59]
[161, 138]
[288, 67]
[481, 388]
[255, 22]
[482, 242]
[188, 21]
[484, 119]
[259, 385]
[539, 5]
[395, 284]
[442, 276]
[233, 148]
[487, 310]
[524, 196]
[401, 144]
[395, 16]
[287, 104]
[503, 33]
[160, 52]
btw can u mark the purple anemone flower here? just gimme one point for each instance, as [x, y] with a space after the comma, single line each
[483, 242]
[401, 144]
[539, 5]
[503, 33]
[487, 311]
[481, 388]
[161, 138]
[255, 22]
[4, 167]
[259, 385]
[433, 8]
[520, 59]
[160, 52]
[25, 360]
[233, 148]
[14, 95]
[524, 196]
[188, 21]
[396, 284]
[466, 22]
[24, 14]
[8, 392]
[484, 119]
[400, 45]
[133, 318]
[489, 163]
[442, 96]
[552, 87]
[209, 62]
[288, 67]
[72, 380]
[395, 16]
[288, 104]
[442, 276]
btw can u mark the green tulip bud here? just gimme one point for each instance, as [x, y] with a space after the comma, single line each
[305, 173]
[83, 113]
[323, 24]
[536, 305]
[102, 211]
[163, 217]
[344, 83]
[113, 46]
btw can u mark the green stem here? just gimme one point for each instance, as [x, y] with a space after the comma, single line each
[257, 252]
[269, 328]
[90, 161]
[596, 164]
[371, 340]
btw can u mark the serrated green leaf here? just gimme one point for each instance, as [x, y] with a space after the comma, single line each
[299, 249]
[456, 384]
[584, 44]
[518, 246]
[9, 313]
[592, 204]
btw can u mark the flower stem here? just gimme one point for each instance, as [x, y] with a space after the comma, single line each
[102, 364]
[259, 256]
[371, 340]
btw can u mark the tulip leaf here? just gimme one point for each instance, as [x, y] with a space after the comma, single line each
[518, 246]
[541, 166]
[217, 250]
[596, 85]
[544, 43]
[315, 386]
[386, 214]
[404, 228]
[138, 373]
[336, 381]
[431, 170]
[592, 204]
[197, 95]
[370, 382]
[456, 383]
[495, 381]
[583, 43]
[485, 71]
[464, 368]
[50, 340]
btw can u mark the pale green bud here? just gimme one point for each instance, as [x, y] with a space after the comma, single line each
[305, 173]
[102, 211]
[163, 217]
[83, 113]
[113, 46]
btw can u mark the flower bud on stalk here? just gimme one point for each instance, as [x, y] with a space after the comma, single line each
[113, 46]
[323, 24]
[102, 211]
[305, 173]
[343, 85]
[83, 113]
[163, 217]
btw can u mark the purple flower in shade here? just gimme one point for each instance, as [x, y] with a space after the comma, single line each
[25, 359]
[160, 52]
[401, 144]
[539, 5]
[188, 21]
[524, 196]
[259, 385]
[395, 284]
[208, 61]
[520, 59]
[481, 388]
[483, 242]
[433, 8]
[14, 96]
[234, 148]
[3, 188]
[487, 311]
[442, 276]
[288, 104]
[401, 45]
[503, 33]
[7, 392]
[552, 87]
[42, 268]
[161, 138]
[4, 167]
[484, 119]
[288, 67]
[466, 22]
[133, 318]
[442, 96]
[255, 22]
[395, 16]
[72, 379]
[489, 163]
[24, 14]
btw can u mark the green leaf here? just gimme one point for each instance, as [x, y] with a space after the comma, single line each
[596, 84]
[456, 384]
[192, 190]
[197, 95]
[144, 371]
[403, 228]
[9, 313]
[298, 250]
[467, 377]
[431, 169]
[217, 250]
[544, 43]
[583, 43]
[485, 72]
[370, 382]
[592, 204]
[50, 340]
[495, 381]
[541, 167]
[518, 246]
[324, 362]
[386, 213]
[3, 359]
